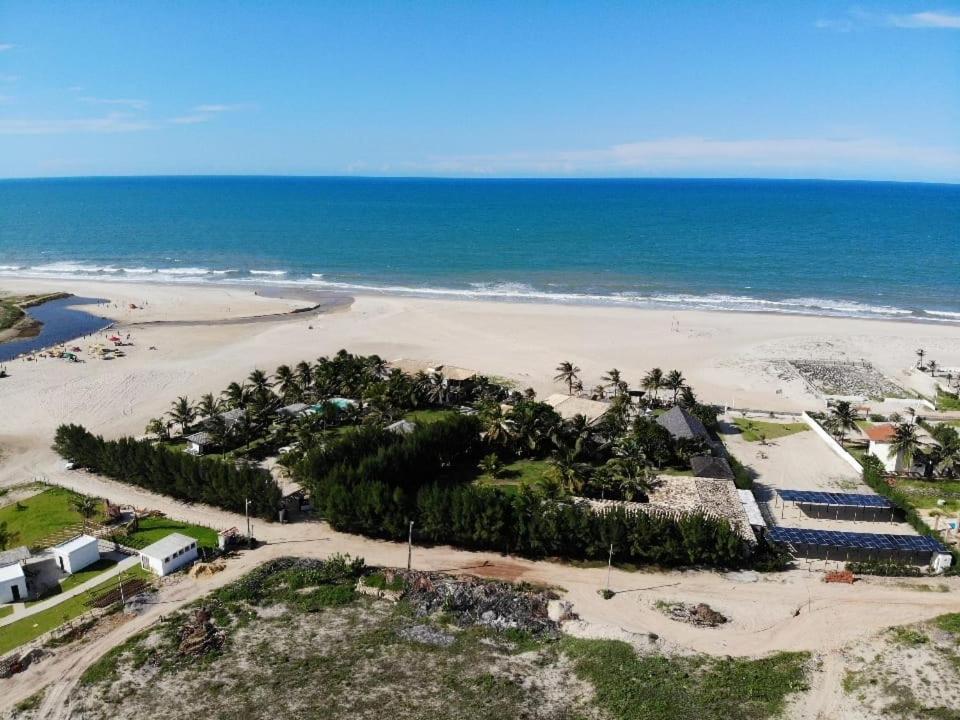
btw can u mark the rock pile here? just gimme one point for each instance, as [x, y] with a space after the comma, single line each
[701, 615]
[472, 601]
[198, 636]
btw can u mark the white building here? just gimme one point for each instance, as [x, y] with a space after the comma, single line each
[74, 555]
[13, 584]
[169, 554]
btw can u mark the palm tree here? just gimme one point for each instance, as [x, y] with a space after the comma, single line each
[491, 465]
[237, 395]
[259, 381]
[498, 428]
[653, 381]
[571, 473]
[183, 413]
[287, 384]
[208, 406]
[921, 353]
[687, 397]
[568, 373]
[304, 375]
[932, 367]
[86, 506]
[599, 392]
[676, 382]
[846, 418]
[905, 443]
[613, 380]
[158, 428]
[7, 537]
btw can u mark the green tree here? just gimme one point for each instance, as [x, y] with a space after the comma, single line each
[675, 382]
[183, 413]
[567, 373]
[491, 465]
[86, 506]
[158, 428]
[845, 418]
[7, 536]
[905, 443]
[613, 380]
[653, 381]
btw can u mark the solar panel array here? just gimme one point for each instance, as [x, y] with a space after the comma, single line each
[814, 497]
[860, 541]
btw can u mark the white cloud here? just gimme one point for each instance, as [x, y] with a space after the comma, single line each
[191, 119]
[6, 46]
[857, 18]
[111, 123]
[218, 108]
[131, 103]
[701, 156]
[925, 20]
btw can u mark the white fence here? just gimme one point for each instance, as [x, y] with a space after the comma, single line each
[832, 443]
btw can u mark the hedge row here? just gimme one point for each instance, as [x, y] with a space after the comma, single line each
[158, 469]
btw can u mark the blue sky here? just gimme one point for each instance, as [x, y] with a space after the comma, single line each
[698, 89]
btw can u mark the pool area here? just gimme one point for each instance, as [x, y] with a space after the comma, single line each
[340, 403]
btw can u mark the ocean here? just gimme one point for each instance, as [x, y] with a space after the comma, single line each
[876, 250]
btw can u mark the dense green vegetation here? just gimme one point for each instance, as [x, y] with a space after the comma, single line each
[761, 430]
[138, 462]
[32, 520]
[374, 482]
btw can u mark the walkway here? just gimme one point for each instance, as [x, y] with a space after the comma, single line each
[21, 611]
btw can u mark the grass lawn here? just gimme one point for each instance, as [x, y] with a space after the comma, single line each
[41, 516]
[753, 429]
[5, 610]
[155, 528]
[947, 401]
[515, 474]
[859, 452]
[29, 628]
[426, 417]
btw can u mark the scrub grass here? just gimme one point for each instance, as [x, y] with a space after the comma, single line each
[654, 687]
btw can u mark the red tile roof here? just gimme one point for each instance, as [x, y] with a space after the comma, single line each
[880, 433]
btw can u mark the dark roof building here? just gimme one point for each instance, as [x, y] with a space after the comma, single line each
[682, 425]
[706, 466]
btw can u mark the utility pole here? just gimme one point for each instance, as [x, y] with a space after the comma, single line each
[246, 510]
[410, 546]
[123, 602]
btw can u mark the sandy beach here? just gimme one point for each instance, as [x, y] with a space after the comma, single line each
[729, 358]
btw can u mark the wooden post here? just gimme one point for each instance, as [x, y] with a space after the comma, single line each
[609, 566]
[410, 546]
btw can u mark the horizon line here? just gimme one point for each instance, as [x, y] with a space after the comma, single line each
[473, 178]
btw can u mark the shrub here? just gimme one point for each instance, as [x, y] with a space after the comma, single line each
[883, 569]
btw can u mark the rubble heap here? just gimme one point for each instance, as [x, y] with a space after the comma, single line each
[701, 615]
[473, 601]
[198, 635]
[846, 378]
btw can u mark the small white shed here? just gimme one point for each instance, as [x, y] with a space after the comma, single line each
[169, 554]
[13, 584]
[74, 555]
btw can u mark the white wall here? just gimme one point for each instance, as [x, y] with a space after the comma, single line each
[79, 558]
[6, 593]
[175, 562]
[833, 444]
[881, 451]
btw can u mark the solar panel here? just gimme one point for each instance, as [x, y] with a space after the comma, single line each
[861, 541]
[814, 497]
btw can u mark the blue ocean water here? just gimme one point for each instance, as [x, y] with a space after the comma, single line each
[833, 248]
